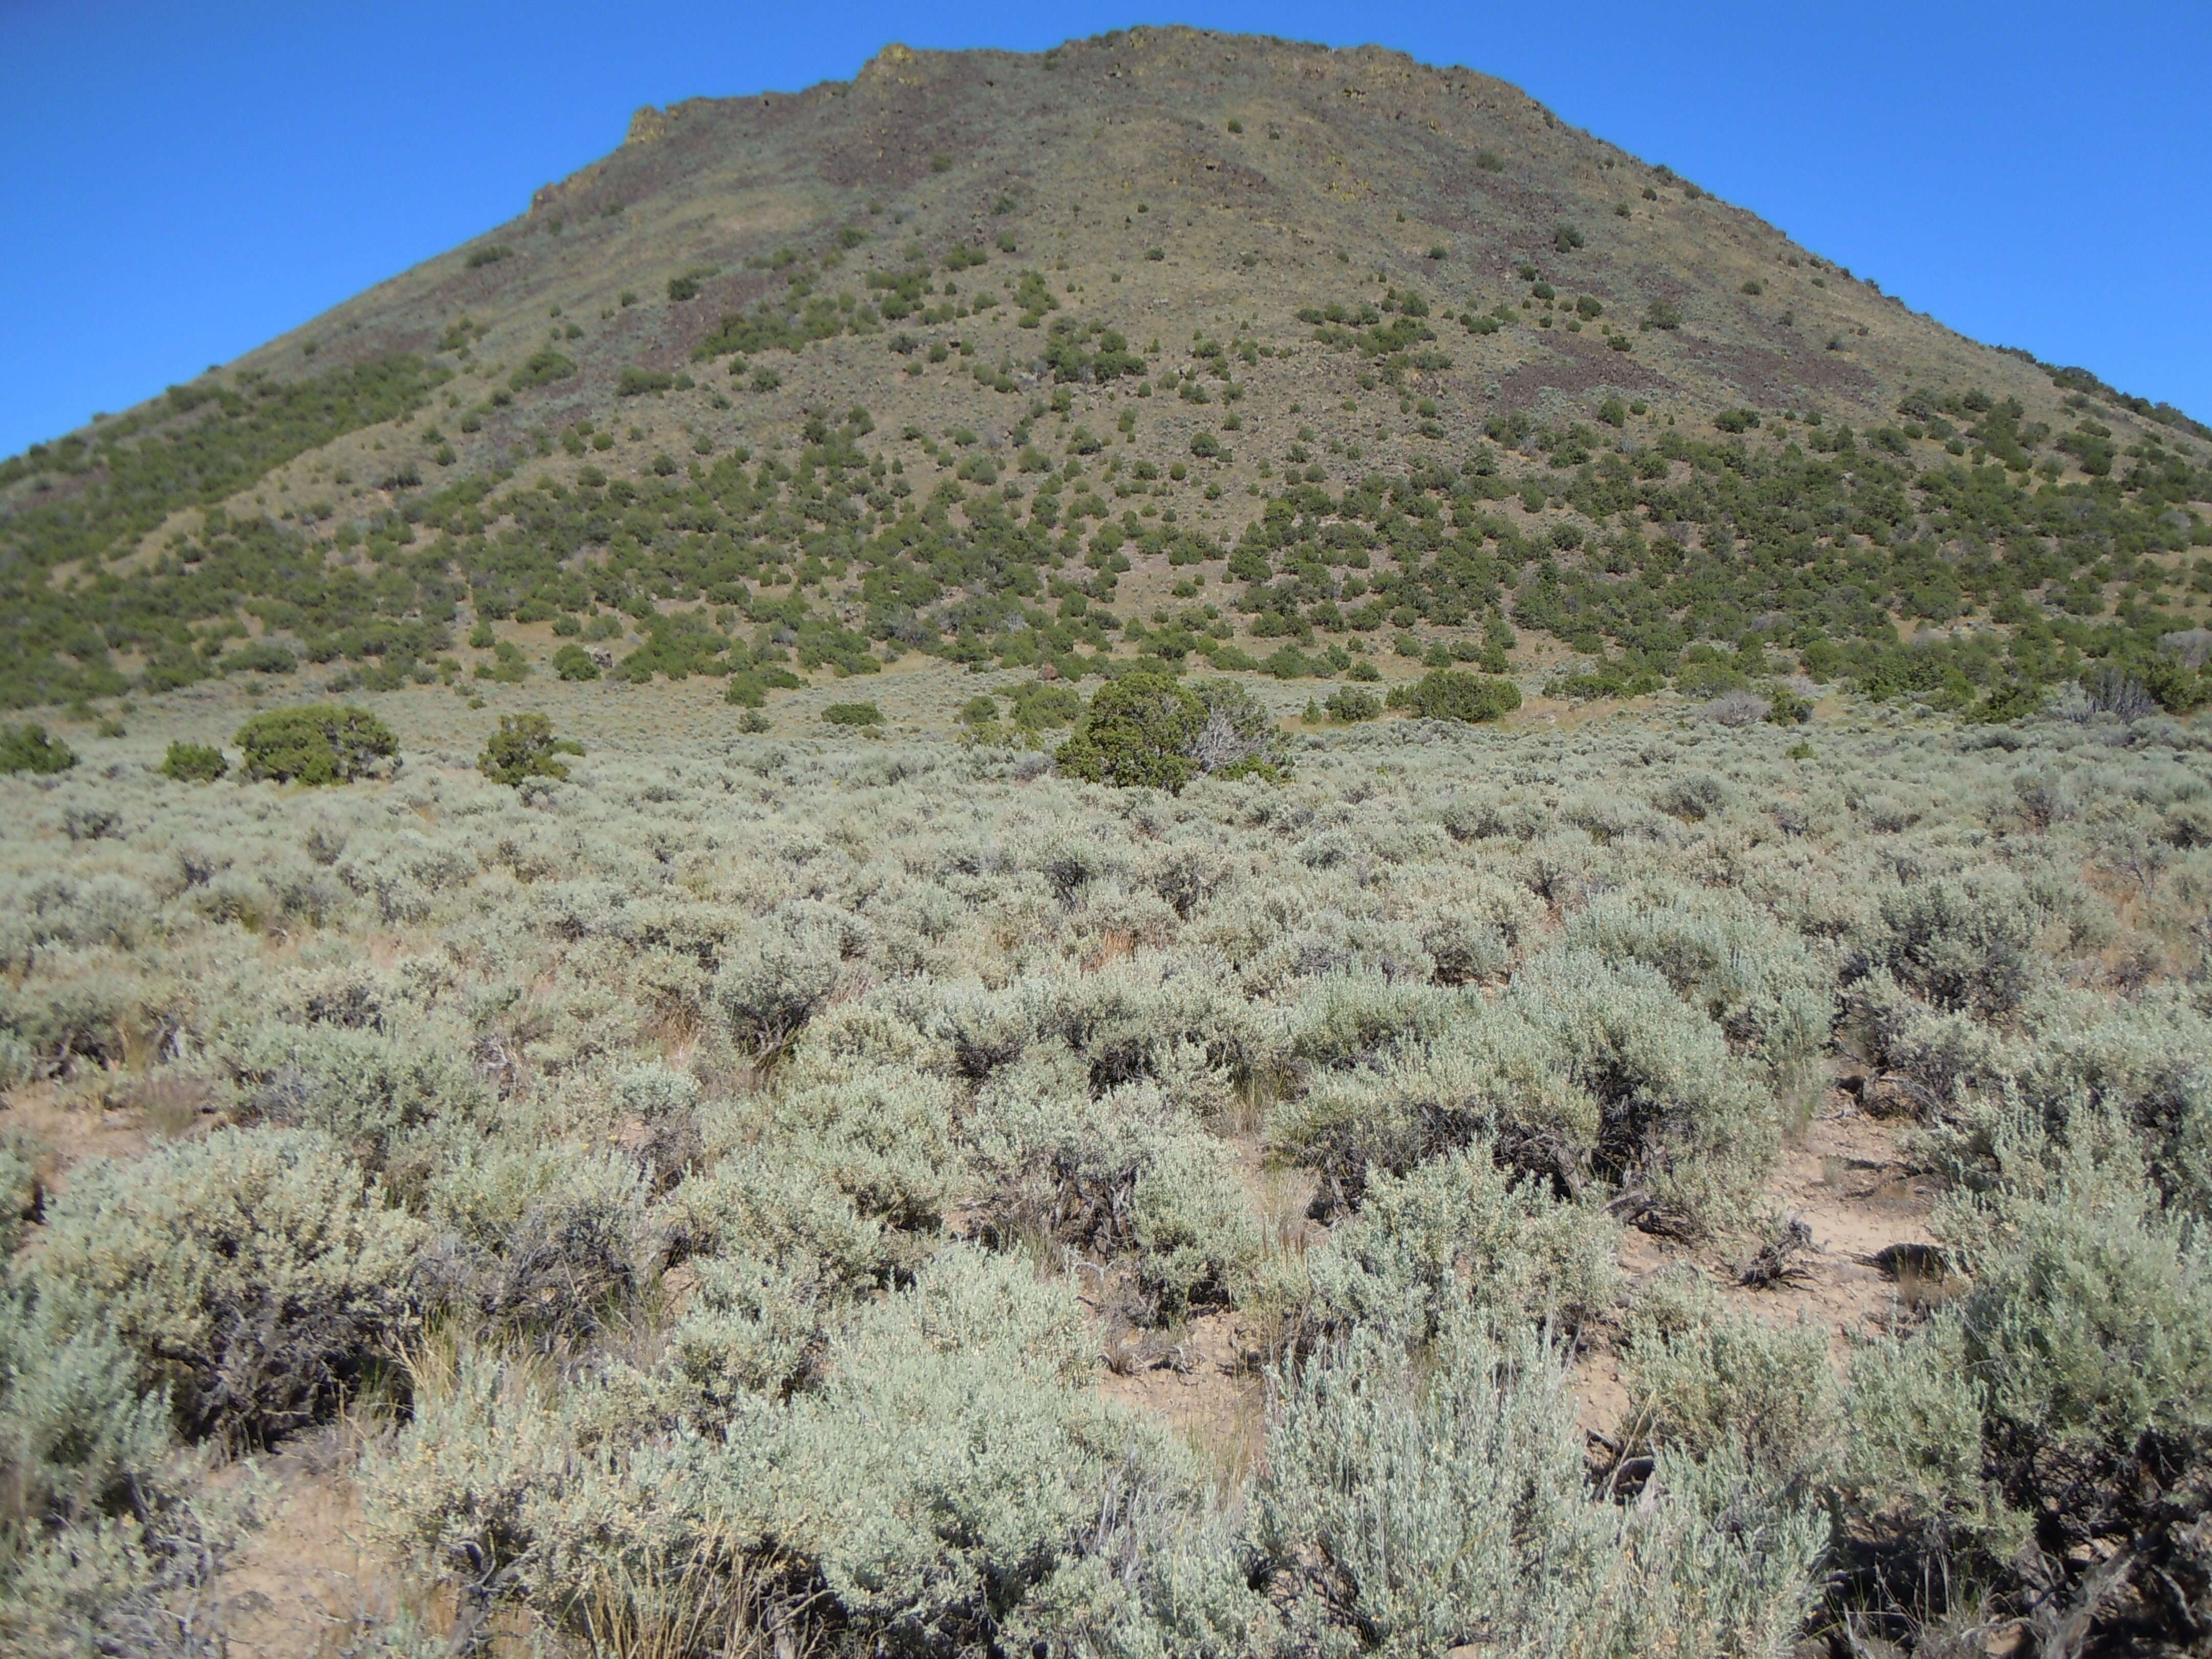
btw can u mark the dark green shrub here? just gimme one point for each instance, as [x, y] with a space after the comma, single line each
[1786, 707]
[262, 657]
[525, 747]
[317, 745]
[2093, 447]
[28, 748]
[194, 763]
[1449, 694]
[573, 662]
[1138, 731]
[542, 366]
[852, 714]
[1350, 703]
[1041, 704]
[1567, 239]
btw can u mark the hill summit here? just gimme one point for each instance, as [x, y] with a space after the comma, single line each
[1207, 351]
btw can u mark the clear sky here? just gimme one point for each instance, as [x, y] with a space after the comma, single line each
[179, 182]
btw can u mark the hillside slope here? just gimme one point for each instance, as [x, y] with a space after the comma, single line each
[1332, 356]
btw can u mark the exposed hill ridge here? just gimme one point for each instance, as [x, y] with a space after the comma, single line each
[1347, 268]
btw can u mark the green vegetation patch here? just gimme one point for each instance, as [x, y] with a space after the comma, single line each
[320, 743]
[28, 748]
[524, 748]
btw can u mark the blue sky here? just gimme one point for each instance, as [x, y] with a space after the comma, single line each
[182, 182]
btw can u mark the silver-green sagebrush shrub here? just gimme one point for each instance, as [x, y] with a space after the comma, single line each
[2072, 1062]
[1124, 1175]
[1459, 1236]
[104, 1545]
[1344, 1020]
[483, 1486]
[1146, 1015]
[752, 1328]
[654, 1091]
[1921, 1526]
[776, 979]
[121, 1585]
[842, 1172]
[1411, 1508]
[2060, 1400]
[1686, 1129]
[881, 1135]
[545, 1237]
[78, 1433]
[948, 1484]
[1759, 983]
[19, 1192]
[2147, 1061]
[989, 1470]
[1197, 1239]
[2089, 1322]
[403, 875]
[1582, 1071]
[1968, 944]
[255, 1273]
[81, 1011]
[1489, 1075]
[1738, 1382]
[755, 1206]
[369, 1092]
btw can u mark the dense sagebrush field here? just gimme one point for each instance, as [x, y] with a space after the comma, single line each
[762, 1194]
[932, 1014]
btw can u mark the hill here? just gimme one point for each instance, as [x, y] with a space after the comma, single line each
[1332, 356]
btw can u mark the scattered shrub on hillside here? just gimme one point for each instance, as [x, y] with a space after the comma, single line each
[28, 748]
[1738, 708]
[320, 743]
[525, 747]
[1448, 694]
[194, 763]
[1238, 738]
[573, 662]
[1138, 731]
